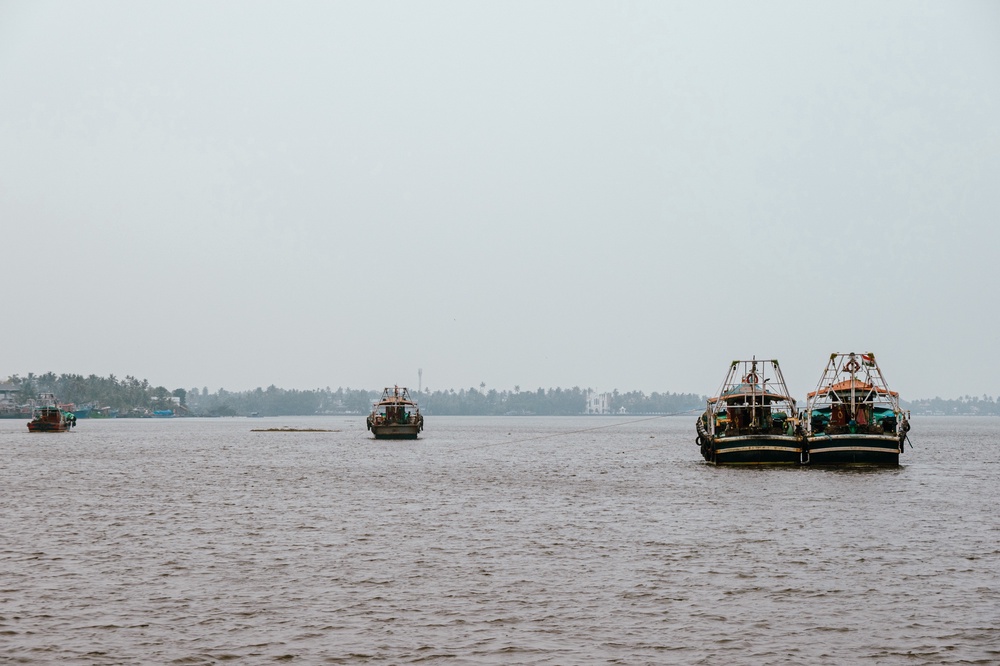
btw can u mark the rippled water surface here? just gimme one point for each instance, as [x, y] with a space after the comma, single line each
[489, 540]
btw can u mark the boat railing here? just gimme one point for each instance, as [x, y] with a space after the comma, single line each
[874, 424]
[772, 426]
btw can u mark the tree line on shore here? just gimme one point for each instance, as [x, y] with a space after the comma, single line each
[469, 402]
[131, 396]
[968, 405]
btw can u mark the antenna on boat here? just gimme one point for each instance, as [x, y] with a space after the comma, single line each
[420, 380]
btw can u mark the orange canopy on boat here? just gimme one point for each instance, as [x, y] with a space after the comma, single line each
[848, 384]
[755, 391]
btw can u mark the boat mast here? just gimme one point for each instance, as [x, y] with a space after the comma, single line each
[726, 384]
[781, 384]
[852, 367]
[882, 384]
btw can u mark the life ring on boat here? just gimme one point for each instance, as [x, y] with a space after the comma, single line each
[852, 366]
[751, 378]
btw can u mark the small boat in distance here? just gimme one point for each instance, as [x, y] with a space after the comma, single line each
[395, 415]
[852, 416]
[752, 419]
[50, 418]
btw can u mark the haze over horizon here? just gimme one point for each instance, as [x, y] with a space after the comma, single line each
[607, 195]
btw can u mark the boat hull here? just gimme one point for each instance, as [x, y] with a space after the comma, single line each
[47, 427]
[852, 449]
[753, 450]
[395, 431]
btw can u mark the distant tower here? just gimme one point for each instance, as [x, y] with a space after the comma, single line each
[420, 380]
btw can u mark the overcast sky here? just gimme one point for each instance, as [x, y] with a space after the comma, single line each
[614, 195]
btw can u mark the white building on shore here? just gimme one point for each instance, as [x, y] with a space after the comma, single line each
[598, 403]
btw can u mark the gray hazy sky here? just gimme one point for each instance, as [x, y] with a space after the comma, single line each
[610, 195]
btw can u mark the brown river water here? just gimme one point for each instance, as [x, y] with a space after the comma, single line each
[517, 540]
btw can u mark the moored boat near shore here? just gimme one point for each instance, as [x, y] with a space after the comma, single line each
[395, 415]
[852, 417]
[752, 419]
[82, 412]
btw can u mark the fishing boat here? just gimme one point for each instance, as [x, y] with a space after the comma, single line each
[395, 415]
[81, 412]
[50, 418]
[852, 416]
[752, 419]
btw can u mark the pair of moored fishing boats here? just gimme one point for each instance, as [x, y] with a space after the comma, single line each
[851, 418]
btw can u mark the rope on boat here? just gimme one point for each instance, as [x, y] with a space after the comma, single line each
[573, 432]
